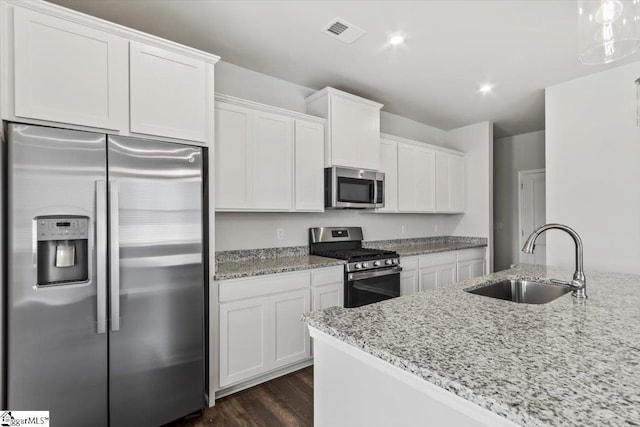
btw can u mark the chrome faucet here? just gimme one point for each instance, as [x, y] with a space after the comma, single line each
[579, 283]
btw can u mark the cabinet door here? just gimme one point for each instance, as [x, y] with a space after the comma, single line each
[428, 278]
[416, 179]
[355, 134]
[478, 267]
[446, 275]
[464, 271]
[68, 73]
[233, 156]
[244, 350]
[389, 165]
[326, 296]
[437, 277]
[272, 140]
[309, 166]
[289, 333]
[409, 282]
[449, 182]
[168, 93]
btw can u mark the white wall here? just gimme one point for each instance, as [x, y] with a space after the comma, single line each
[511, 155]
[258, 230]
[593, 169]
[477, 142]
[244, 83]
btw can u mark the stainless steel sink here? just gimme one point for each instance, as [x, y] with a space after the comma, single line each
[523, 291]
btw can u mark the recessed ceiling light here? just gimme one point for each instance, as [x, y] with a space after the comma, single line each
[486, 88]
[396, 39]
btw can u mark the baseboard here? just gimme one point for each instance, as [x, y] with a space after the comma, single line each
[263, 378]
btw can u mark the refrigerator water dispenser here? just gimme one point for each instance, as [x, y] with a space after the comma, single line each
[62, 249]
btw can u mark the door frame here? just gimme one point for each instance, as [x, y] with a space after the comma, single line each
[521, 175]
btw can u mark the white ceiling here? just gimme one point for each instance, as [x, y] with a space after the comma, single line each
[521, 46]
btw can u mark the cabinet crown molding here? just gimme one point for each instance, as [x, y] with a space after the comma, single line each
[110, 27]
[220, 97]
[332, 91]
[420, 144]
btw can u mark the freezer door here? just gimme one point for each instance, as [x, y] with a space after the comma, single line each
[157, 300]
[57, 345]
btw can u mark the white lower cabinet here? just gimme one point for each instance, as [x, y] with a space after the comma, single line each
[327, 287]
[471, 263]
[437, 270]
[243, 339]
[326, 296]
[409, 277]
[290, 334]
[260, 320]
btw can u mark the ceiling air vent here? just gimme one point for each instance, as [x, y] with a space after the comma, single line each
[343, 31]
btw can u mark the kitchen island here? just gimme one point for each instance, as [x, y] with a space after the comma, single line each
[448, 357]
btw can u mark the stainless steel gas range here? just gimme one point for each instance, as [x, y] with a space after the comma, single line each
[370, 275]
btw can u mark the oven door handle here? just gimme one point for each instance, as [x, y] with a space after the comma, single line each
[377, 273]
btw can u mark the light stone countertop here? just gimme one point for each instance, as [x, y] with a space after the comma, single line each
[282, 264]
[428, 245]
[563, 363]
[255, 262]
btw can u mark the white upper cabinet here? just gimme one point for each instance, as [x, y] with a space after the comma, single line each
[168, 93]
[233, 156]
[416, 178]
[263, 161]
[63, 68]
[68, 73]
[389, 166]
[272, 146]
[420, 177]
[450, 179]
[353, 128]
[309, 171]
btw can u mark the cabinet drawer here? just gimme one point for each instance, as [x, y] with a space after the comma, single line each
[327, 275]
[409, 263]
[469, 254]
[431, 260]
[236, 289]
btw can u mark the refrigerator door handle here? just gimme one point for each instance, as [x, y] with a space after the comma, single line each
[114, 255]
[101, 256]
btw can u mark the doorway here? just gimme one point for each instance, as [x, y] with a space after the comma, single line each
[532, 207]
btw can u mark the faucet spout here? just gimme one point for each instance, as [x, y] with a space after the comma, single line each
[578, 283]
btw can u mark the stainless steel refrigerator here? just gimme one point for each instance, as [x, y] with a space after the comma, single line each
[106, 295]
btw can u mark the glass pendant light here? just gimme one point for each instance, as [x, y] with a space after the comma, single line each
[608, 30]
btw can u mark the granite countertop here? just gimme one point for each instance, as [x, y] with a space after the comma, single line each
[564, 363]
[234, 269]
[428, 245]
[255, 262]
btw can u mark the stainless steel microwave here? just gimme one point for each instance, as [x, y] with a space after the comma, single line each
[350, 188]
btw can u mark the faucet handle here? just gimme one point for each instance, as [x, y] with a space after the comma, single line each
[573, 285]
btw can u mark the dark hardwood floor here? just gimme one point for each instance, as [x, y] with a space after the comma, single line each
[285, 401]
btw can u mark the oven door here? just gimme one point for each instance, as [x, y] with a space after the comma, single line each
[367, 287]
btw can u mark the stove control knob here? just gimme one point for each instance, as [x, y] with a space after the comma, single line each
[358, 265]
[395, 261]
[388, 262]
[376, 263]
[365, 265]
